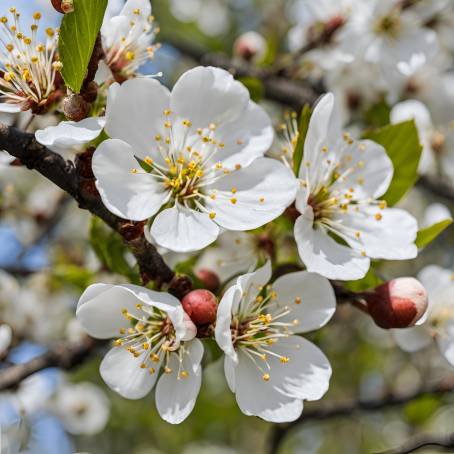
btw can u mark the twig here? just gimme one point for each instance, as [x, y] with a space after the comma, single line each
[439, 442]
[64, 355]
[63, 173]
[279, 432]
[437, 186]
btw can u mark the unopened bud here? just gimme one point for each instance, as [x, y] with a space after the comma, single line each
[250, 46]
[63, 6]
[201, 306]
[209, 279]
[75, 107]
[399, 303]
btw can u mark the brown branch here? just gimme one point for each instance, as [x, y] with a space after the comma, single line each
[65, 175]
[439, 442]
[292, 93]
[348, 408]
[63, 355]
[437, 187]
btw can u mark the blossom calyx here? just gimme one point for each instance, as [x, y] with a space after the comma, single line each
[398, 303]
[201, 305]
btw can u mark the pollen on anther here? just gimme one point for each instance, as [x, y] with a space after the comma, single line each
[233, 200]
[262, 199]
[184, 374]
[297, 300]
[237, 166]
[266, 377]
[151, 370]
[378, 216]
[284, 359]
[167, 370]
[212, 215]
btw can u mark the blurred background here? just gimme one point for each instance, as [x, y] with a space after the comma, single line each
[47, 261]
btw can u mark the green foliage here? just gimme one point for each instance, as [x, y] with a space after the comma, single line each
[74, 275]
[378, 115]
[370, 280]
[78, 33]
[420, 410]
[401, 142]
[302, 132]
[428, 234]
[254, 86]
[111, 250]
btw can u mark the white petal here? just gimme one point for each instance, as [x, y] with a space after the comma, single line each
[306, 375]
[246, 138]
[222, 331]
[99, 310]
[434, 278]
[176, 395]
[103, 74]
[323, 129]
[434, 213]
[206, 95]
[251, 284]
[143, 6]
[135, 114]
[9, 108]
[391, 236]
[412, 339]
[371, 165]
[136, 196]
[183, 230]
[122, 372]
[412, 110]
[264, 190]
[69, 134]
[310, 298]
[258, 397]
[323, 255]
[6, 335]
[445, 342]
[229, 371]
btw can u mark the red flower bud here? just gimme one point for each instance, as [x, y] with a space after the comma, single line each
[201, 306]
[209, 279]
[399, 303]
[57, 5]
[63, 6]
[250, 46]
[75, 107]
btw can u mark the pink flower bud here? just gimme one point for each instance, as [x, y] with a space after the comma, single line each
[209, 279]
[399, 303]
[201, 306]
[250, 46]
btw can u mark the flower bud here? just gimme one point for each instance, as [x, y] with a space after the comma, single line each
[201, 306]
[209, 279]
[75, 107]
[399, 303]
[63, 6]
[250, 46]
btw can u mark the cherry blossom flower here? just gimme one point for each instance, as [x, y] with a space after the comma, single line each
[271, 370]
[438, 322]
[341, 180]
[83, 408]
[29, 66]
[189, 153]
[153, 333]
[128, 38]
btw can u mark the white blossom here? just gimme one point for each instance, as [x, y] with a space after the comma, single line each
[269, 368]
[153, 334]
[192, 159]
[341, 180]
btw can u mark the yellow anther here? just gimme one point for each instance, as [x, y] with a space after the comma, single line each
[233, 200]
[157, 137]
[378, 216]
[212, 215]
[145, 345]
[237, 166]
[50, 32]
[187, 123]
[184, 374]
[266, 377]
[154, 357]
[143, 366]
[297, 300]
[133, 170]
[167, 112]
[4, 20]
[151, 370]
[284, 359]
[167, 124]
[363, 253]
[122, 331]
[295, 322]
[357, 234]
[382, 204]
[37, 16]
[167, 370]
[136, 11]
[57, 65]
[148, 160]
[118, 342]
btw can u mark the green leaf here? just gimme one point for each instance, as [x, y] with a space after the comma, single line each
[78, 33]
[427, 235]
[370, 280]
[110, 250]
[254, 86]
[302, 132]
[378, 115]
[401, 142]
[72, 274]
[420, 410]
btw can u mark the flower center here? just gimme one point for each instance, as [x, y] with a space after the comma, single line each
[151, 337]
[256, 331]
[389, 25]
[29, 67]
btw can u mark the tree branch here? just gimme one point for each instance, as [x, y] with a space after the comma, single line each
[441, 443]
[279, 432]
[64, 355]
[66, 176]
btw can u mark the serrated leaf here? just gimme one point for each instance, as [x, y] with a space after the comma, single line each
[303, 126]
[427, 235]
[401, 142]
[78, 33]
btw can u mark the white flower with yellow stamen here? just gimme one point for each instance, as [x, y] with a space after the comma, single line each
[268, 367]
[342, 223]
[196, 152]
[128, 38]
[29, 66]
[153, 334]
[437, 324]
